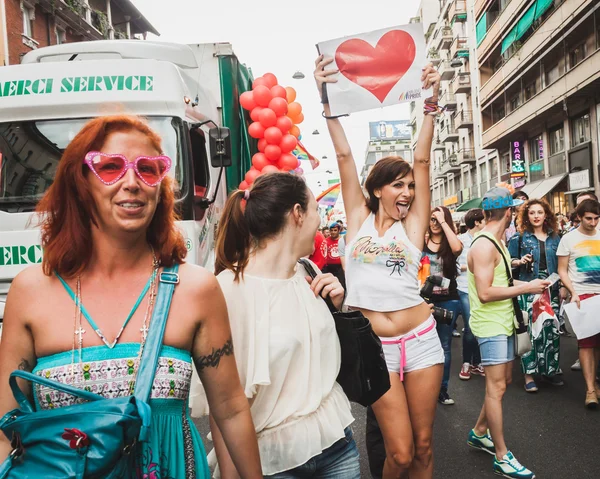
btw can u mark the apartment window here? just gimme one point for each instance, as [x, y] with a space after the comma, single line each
[505, 163]
[536, 149]
[530, 91]
[556, 140]
[578, 54]
[551, 75]
[515, 102]
[61, 36]
[581, 129]
[28, 17]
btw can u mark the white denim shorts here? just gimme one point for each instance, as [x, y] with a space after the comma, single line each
[418, 349]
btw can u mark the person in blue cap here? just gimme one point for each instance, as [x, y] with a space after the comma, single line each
[492, 323]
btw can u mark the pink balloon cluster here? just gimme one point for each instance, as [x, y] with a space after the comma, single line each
[275, 115]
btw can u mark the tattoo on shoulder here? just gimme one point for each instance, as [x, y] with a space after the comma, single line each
[213, 359]
[25, 366]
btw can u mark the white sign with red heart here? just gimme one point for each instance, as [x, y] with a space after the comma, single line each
[377, 69]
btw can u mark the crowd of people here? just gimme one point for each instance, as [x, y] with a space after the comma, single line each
[260, 333]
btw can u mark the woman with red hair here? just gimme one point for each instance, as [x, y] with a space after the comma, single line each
[108, 227]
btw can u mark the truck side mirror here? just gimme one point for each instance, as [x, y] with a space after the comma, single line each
[220, 147]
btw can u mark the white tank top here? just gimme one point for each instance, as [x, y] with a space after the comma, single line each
[381, 272]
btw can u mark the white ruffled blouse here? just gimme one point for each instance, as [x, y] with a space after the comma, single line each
[288, 357]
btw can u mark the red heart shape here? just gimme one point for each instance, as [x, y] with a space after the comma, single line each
[377, 69]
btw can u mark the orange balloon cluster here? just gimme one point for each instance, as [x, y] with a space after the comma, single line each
[275, 114]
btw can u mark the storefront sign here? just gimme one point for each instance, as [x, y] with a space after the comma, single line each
[519, 183]
[541, 147]
[518, 162]
[451, 200]
[579, 180]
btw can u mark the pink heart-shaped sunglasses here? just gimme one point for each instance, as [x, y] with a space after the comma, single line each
[111, 167]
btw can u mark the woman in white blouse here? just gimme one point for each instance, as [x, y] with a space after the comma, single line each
[285, 342]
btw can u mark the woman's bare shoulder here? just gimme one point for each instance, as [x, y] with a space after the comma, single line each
[30, 282]
[197, 280]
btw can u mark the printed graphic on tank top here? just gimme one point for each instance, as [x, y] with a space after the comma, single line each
[381, 271]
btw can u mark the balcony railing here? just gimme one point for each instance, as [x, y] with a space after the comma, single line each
[448, 133]
[557, 164]
[458, 11]
[447, 71]
[448, 99]
[434, 56]
[445, 38]
[459, 47]
[466, 155]
[464, 119]
[438, 145]
[462, 83]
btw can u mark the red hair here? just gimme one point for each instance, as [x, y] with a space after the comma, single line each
[68, 209]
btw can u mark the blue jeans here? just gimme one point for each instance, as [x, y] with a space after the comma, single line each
[338, 461]
[471, 353]
[445, 334]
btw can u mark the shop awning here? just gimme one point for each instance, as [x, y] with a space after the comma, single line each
[472, 203]
[541, 188]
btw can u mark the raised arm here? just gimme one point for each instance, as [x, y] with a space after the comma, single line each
[215, 363]
[16, 348]
[453, 240]
[354, 200]
[417, 219]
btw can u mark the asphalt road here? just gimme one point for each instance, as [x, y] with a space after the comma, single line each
[550, 431]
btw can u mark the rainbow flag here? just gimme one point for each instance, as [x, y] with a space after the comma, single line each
[330, 196]
[302, 154]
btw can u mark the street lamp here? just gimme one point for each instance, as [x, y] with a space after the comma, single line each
[298, 75]
[456, 63]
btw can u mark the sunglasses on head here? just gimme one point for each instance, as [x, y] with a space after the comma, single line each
[110, 168]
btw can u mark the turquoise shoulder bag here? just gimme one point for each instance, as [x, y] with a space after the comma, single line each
[95, 439]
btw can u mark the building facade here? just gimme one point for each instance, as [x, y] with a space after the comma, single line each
[456, 175]
[387, 138]
[29, 24]
[538, 63]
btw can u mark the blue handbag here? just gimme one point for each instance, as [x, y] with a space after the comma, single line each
[95, 439]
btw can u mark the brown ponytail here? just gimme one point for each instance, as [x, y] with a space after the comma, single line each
[264, 216]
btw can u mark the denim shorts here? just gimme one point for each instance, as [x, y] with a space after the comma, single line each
[497, 350]
[338, 461]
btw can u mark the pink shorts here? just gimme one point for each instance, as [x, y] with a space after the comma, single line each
[418, 349]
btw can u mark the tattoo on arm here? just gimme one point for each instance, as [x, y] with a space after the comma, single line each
[213, 359]
[25, 366]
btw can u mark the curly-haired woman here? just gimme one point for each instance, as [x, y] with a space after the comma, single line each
[533, 251]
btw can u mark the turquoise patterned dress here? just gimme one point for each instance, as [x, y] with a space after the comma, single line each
[175, 449]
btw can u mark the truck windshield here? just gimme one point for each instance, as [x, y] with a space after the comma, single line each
[30, 152]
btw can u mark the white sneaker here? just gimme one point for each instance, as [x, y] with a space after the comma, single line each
[576, 366]
[510, 467]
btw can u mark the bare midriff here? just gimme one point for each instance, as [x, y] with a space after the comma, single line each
[397, 323]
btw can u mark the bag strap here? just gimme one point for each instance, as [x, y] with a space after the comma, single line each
[34, 378]
[147, 368]
[313, 274]
[515, 301]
